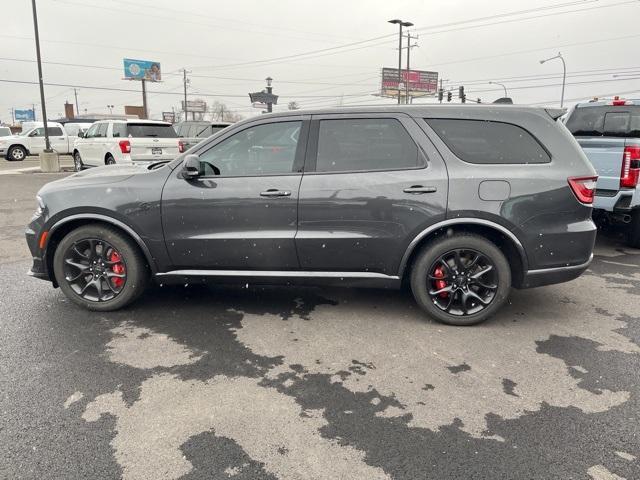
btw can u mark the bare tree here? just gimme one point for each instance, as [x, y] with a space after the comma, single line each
[293, 106]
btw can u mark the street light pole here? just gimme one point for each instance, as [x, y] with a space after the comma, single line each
[42, 101]
[564, 74]
[400, 25]
[502, 85]
[269, 91]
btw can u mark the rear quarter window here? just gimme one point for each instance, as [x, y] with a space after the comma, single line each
[489, 142]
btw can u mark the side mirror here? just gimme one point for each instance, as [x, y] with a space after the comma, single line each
[191, 166]
[80, 134]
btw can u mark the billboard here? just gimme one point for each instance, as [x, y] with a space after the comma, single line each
[199, 106]
[142, 70]
[169, 117]
[421, 83]
[25, 115]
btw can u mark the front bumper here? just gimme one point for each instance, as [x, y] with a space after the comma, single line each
[550, 276]
[3, 151]
[39, 265]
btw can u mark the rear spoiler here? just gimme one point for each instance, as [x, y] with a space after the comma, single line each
[556, 113]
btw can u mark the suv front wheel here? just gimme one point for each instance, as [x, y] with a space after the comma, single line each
[460, 279]
[99, 268]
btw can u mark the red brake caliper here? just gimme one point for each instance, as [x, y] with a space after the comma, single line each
[117, 267]
[440, 284]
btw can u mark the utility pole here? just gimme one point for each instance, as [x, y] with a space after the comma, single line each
[400, 24]
[144, 99]
[33, 109]
[409, 47]
[42, 100]
[13, 116]
[184, 81]
[269, 91]
[75, 92]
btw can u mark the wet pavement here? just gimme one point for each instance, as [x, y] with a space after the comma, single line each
[308, 383]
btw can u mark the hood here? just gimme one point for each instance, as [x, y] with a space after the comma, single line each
[95, 176]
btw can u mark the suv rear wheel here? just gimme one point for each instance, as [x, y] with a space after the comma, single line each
[99, 268]
[461, 279]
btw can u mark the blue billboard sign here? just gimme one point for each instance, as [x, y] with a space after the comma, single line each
[142, 70]
[25, 115]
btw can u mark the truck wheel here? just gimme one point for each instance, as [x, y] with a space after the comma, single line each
[634, 230]
[461, 279]
[17, 154]
[99, 268]
[77, 162]
[109, 160]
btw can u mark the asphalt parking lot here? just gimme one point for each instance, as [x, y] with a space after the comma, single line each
[306, 383]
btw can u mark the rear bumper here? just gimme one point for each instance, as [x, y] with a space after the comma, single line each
[621, 201]
[550, 276]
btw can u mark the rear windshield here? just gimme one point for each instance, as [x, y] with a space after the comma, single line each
[137, 130]
[605, 121]
[489, 142]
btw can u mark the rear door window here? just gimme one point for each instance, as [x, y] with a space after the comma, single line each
[143, 130]
[55, 131]
[487, 142]
[605, 120]
[119, 130]
[365, 144]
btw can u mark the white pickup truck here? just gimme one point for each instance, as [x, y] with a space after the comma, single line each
[31, 140]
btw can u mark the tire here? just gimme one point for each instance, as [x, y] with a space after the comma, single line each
[76, 247]
[77, 162]
[634, 230]
[441, 292]
[109, 160]
[16, 154]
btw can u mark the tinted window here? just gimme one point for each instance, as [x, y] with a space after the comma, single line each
[199, 130]
[119, 130]
[217, 128]
[268, 149]
[606, 120]
[92, 131]
[55, 132]
[102, 130]
[139, 130]
[360, 144]
[5, 132]
[478, 141]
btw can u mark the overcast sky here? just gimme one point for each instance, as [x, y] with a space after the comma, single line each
[228, 47]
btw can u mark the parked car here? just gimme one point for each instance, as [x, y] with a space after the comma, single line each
[112, 142]
[609, 133]
[193, 132]
[74, 128]
[459, 202]
[5, 132]
[31, 142]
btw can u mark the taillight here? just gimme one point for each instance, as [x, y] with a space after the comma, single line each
[584, 188]
[180, 146]
[125, 146]
[630, 173]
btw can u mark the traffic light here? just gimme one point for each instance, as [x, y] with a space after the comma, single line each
[478, 101]
[461, 92]
[449, 96]
[440, 95]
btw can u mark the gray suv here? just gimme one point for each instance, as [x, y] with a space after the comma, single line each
[460, 203]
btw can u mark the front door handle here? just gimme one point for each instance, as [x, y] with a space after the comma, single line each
[418, 189]
[274, 192]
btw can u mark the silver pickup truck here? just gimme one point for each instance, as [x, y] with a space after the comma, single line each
[609, 133]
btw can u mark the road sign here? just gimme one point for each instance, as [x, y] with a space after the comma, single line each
[25, 115]
[420, 82]
[169, 117]
[263, 97]
[142, 70]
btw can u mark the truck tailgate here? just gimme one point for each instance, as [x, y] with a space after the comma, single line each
[605, 154]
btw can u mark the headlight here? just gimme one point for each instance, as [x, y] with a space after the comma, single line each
[41, 206]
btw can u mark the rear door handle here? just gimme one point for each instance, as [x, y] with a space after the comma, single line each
[274, 192]
[418, 189]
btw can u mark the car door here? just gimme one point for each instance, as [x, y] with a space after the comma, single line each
[36, 141]
[372, 182]
[58, 140]
[86, 146]
[241, 212]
